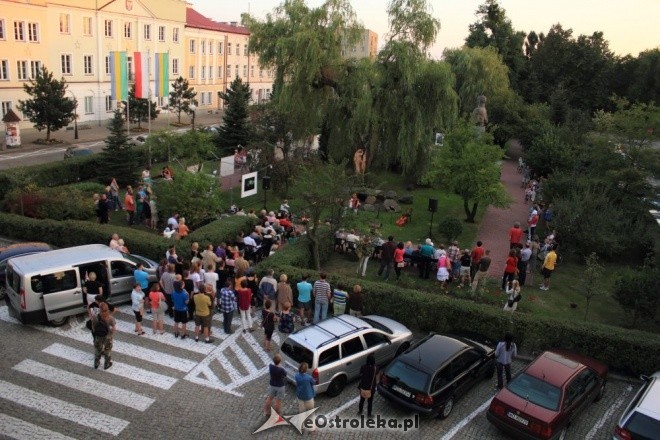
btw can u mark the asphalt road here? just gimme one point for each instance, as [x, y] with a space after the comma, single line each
[163, 387]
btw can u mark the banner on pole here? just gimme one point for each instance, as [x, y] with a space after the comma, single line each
[162, 74]
[141, 75]
[118, 76]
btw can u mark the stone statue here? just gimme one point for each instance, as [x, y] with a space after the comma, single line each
[480, 115]
[360, 161]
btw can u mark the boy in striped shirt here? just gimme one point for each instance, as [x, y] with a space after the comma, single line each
[340, 297]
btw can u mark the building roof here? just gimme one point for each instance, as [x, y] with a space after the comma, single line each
[11, 116]
[196, 20]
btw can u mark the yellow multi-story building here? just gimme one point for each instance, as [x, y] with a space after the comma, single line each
[365, 47]
[73, 39]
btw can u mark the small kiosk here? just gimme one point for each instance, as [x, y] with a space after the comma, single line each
[12, 130]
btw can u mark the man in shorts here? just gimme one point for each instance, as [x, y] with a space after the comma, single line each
[305, 300]
[203, 306]
[276, 385]
[548, 267]
[180, 305]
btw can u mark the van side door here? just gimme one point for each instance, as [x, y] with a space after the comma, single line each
[61, 292]
[121, 280]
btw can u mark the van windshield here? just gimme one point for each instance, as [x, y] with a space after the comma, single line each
[297, 352]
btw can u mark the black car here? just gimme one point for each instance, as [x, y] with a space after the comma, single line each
[17, 250]
[432, 374]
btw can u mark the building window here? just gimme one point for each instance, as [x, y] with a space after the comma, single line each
[35, 68]
[66, 64]
[252, 71]
[2, 29]
[245, 49]
[128, 30]
[22, 70]
[147, 32]
[228, 72]
[202, 98]
[175, 66]
[107, 65]
[236, 71]
[219, 71]
[220, 48]
[192, 46]
[228, 48]
[19, 31]
[209, 98]
[202, 73]
[129, 68]
[210, 72]
[191, 72]
[202, 46]
[33, 32]
[108, 103]
[88, 65]
[238, 49]
[175, 35]
[89, 105]
[244, 71]
[108, 28]
[211, 47]
[6, 106]
[87, 26]
[4, 70]
[65, 24]
[161, 33]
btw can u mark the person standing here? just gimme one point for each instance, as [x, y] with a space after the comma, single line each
[268, 291]
[368, 374]
[476, 255]
[399, 264]
[129, 206]
[227, 306]
[515, 235]
[504, 352]
[482, 272]
[114, 194]
[510, 268]
[364, 250]
[426, 252]
[244, 302]
[339, 298]
[167, 286]
[305, 300]
[180, 300]
[305, 391]
[286, 319]
[549, 264]
[523, 262]
[103, 328]
[454, 254]
[532, 222]
[268, 323]
[203, 305]
[465, 262]
[322, 294]
[103, 209]
[387, 258]
[137, 305]
[514, 297]
[276, 385]
[444, 266]
[156, 299]
[92, 287]
[284, 292]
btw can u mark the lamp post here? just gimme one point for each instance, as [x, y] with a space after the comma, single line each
[75, 116]
[192, 108]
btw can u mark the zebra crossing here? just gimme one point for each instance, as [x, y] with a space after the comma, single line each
[152, 363]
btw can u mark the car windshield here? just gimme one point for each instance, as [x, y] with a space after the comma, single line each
[377, 325]
[643, 426]
[297, 352]
[536, 391]
[408, 375]
[135, 259]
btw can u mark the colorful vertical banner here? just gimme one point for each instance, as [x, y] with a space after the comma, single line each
[118, 76]
[162, 74]
[141, 75]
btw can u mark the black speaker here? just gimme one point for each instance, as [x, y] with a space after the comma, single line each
[433, 205]
[265, 182]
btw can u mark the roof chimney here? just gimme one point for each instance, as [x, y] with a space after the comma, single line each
[233, 23]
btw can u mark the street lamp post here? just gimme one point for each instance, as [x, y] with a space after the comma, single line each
[75, 116]
[192, 108]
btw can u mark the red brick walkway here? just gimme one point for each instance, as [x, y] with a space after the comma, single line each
[494, 229]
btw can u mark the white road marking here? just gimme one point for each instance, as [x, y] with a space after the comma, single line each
[7, 157]
[606, 416]
[118, 368]
[332, 414]
[21, 430]
[61, 409]
[85, 384]
[460, 425]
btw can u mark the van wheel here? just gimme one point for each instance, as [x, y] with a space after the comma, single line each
[336, 386]
[447, 409]
[58, 322]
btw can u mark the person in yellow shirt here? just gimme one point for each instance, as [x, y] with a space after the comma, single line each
[548, 267]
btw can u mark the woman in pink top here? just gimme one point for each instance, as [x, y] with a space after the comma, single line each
[157, 314]
[444, 266]
[398, 259]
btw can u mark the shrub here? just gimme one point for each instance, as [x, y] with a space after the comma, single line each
[195, 196]
[226, 229]
[637, 293]
[450, 228]
[56, 204]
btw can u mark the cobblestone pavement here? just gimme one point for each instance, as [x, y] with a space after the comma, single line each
[162, 387]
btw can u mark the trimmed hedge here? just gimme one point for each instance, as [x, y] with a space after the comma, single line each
[226, 229]
[628, 351]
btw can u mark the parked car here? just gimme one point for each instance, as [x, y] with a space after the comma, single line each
[641, 419]
[431, 375]
[543, 399]
[16, 250]
[73, 152]
[336, 348]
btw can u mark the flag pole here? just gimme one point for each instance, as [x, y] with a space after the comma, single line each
[149, 94]
[128, 102]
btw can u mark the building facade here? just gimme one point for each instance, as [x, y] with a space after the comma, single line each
[365, 47]
[73, 39]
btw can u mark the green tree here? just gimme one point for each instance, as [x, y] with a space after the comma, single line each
[189, 148]
[638, 293]
[48, 108]
[591, 280]
[182, 97]
[118, 159]
[139, 108]
[450, 228]
[202, 199]
[469, 166]
[235, 129]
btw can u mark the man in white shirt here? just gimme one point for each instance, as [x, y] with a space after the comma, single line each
[249, 241]
[173, 222]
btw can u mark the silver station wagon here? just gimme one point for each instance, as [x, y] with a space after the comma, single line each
[336, 348]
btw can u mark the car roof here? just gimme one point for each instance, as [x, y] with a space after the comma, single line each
[650, 403]
[64, 257]
[21, 248]
[434, 351]
[554, 368]
[329, 330]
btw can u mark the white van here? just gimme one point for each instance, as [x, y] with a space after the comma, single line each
[48, 286]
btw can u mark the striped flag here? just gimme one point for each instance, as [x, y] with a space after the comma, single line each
[162, 74]
[118, 76]
[141, 75]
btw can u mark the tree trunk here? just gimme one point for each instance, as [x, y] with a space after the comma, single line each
[470, 213]
[48, 133]
[314, 246]
[179, 116]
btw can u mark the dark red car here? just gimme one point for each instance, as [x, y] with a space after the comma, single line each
[541, 401]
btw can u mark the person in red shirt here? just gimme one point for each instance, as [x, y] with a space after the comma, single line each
[476, 255]
[532, 222]
[515, 234]
[509, 269]
[129, 206]
[244, 302]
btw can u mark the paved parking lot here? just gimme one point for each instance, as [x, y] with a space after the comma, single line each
[162, 387]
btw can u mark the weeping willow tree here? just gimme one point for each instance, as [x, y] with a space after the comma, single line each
[389, 106]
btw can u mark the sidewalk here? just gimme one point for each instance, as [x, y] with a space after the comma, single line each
[93, 132]
[494, 229]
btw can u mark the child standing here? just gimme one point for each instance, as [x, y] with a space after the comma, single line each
[268, 323]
